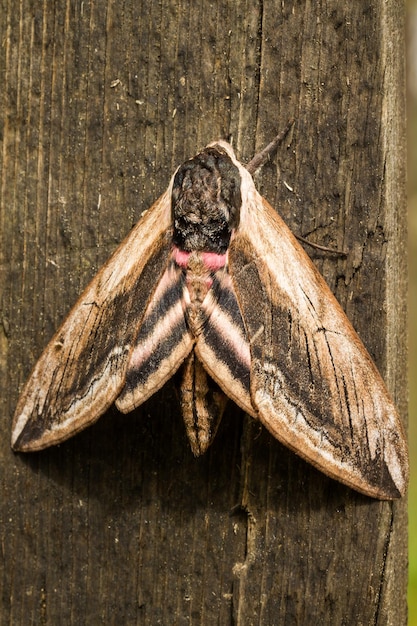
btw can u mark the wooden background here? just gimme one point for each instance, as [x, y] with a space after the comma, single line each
[101, 101]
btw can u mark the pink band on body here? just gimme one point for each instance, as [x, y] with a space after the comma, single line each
[211, 260]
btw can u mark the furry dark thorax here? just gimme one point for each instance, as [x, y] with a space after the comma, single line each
[206, 202]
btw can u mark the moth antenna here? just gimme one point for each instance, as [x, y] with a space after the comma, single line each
[262, 156]
[322, 248]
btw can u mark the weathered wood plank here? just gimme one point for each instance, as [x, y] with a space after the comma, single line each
[101, 101]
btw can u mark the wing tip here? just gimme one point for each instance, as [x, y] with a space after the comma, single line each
[28, 439]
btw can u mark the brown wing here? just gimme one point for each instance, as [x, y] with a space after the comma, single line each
[313, 384]
[82, 370]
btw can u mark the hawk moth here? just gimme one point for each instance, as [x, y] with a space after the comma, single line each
[212, 284]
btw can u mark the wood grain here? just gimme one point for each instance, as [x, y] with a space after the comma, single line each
[101, 101]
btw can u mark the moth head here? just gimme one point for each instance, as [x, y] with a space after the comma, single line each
[206, 200]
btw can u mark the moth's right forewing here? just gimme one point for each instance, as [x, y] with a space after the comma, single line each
[312, 382]
[82, 370]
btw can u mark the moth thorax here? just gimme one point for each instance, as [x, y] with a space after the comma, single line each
[198, 283]
[206, 202]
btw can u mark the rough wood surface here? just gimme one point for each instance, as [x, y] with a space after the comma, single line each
[100, 102]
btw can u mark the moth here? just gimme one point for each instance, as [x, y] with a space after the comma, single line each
[212, 287]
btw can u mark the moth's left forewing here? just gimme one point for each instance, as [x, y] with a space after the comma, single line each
[312, 382]
[82, 370]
